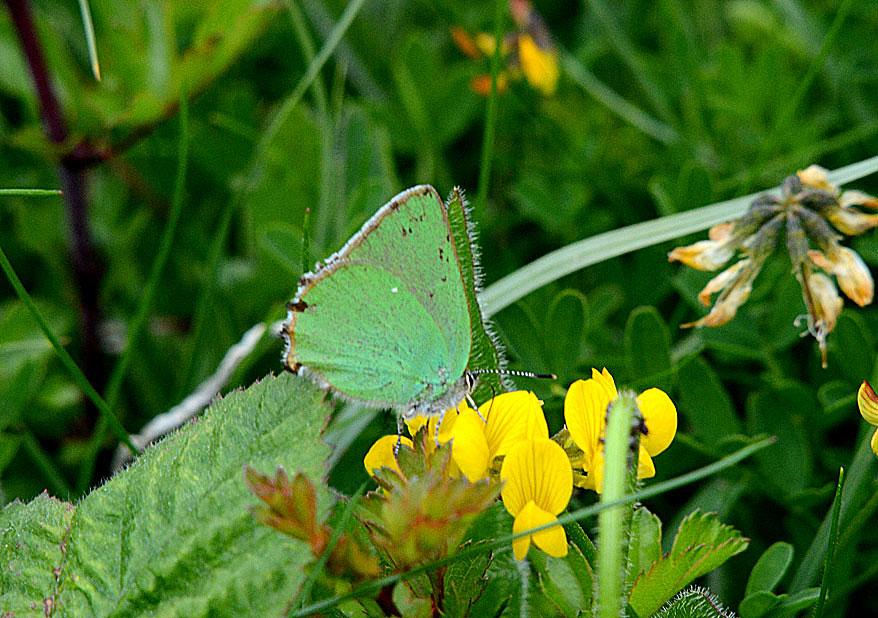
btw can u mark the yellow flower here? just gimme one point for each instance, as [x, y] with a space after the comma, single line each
[538, 485]
[540, 66]
[585, 412]
[509, 418]
[853, 275]
[867, 401]
[382, 453]
[708, 254]
[529, 51]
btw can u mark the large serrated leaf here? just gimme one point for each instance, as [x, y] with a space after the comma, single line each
[701, 545]
[172, 535]
[464, 583]
[32, 547]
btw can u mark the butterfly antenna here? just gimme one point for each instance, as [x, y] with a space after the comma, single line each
[513, 372]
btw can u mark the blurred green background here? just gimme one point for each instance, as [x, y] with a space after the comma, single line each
[727, 98]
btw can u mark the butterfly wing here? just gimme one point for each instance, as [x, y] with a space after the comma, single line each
[385, 320]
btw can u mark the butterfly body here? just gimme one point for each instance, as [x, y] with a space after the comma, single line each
[386, 320]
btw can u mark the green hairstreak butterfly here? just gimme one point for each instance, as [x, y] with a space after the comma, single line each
[391, 319]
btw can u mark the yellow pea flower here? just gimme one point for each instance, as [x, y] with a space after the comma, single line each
[585, 412]
[867, 401]
[502, 422]
[381, 455]
[540, 66]
[538, 485]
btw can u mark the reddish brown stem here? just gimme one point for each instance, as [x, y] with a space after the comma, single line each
[87, 269]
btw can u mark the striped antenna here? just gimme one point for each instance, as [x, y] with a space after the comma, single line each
[512, 372]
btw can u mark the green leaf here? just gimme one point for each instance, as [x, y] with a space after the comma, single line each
[528, 350]
[647, 348]
[503, 592]
[694, 602]
[565, 329]
[701, 545]
[172, 534]
[33, 544]
[792, 604]
[464, 583]
[770, 568]
[646, 541]
[567, 583]
[758, 604]
[705, 402]
[851, 347]
[785, 410]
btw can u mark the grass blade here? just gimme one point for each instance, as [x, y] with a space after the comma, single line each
[580, 254]
[85, 10]
[29, 192]
[65, 358]
[636, 117]
[830, 550]
[280, 116]
[491, 112]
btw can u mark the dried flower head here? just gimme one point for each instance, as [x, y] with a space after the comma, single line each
[810, 211]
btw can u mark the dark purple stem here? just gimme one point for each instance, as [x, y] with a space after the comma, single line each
[87, 268]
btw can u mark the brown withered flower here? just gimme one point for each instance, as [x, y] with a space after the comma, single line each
[811, 211]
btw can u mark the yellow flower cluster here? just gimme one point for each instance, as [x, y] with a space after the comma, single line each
[528, 52]
[537, 472]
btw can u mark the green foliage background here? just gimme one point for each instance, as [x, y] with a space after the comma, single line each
[737, 95]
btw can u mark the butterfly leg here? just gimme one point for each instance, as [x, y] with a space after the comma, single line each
[472, 404]
[399, 426]
[438, 425]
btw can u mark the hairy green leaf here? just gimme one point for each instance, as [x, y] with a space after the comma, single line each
[172, 535]
[701, 545]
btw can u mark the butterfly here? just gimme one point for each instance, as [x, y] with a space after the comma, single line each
[391, 320]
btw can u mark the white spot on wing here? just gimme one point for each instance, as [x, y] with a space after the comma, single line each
[394, 290]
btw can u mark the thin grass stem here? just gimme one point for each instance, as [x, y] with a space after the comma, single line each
[487, 156]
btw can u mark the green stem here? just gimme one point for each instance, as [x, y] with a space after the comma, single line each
[491, 112]
[65, 358]
[614, 522]
[29, 192]
[138, 324]
[830, 550]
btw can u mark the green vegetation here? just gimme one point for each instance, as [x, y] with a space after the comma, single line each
[230, 144]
